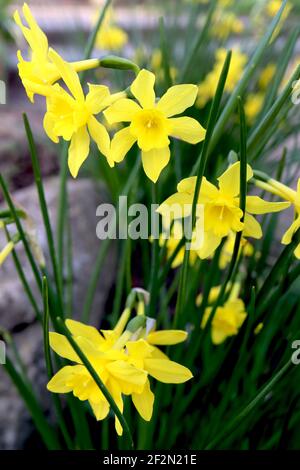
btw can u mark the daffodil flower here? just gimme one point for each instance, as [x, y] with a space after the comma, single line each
[124, 360]
[222, 213]
[151, 123]
[71, 115]
[227, 320]
[39, 70]
[282, 190]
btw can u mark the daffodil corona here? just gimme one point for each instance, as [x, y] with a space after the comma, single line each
[152, 123]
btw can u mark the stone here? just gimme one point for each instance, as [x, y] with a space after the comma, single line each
[16, 313]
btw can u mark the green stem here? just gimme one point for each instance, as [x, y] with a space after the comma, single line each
[44, 210]
[154, 264]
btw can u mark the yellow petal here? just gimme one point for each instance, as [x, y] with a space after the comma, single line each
[100, 135]
[59, 382]
[100, 409]
[78, 150]
[229, 181]
[68, 74]
[297, 251]
[62, 347]
[167, 337]
[209, 246]
[177, 99]
[48, 123]
[256, 205]
[218, 336]
[121, 143]
[123, 110]
[142, 89]
[144, 402]
[96, 97]
[287, 237]
[187, 129]
[177, 206]
[154, 161]
[77, 328]
[126, 372]
[167, 371]
[187, 185]
[252, 228]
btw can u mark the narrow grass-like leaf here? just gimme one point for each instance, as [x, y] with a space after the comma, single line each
[49, 367]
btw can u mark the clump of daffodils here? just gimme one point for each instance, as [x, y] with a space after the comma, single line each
[125, 358]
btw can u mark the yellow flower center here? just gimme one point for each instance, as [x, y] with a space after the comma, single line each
[223, 215]
[151, 129]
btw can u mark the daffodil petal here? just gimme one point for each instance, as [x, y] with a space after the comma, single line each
[229, 181]
[167, 337]
[60, 381]
[96, 97]
[126, 372]
[121, 143]
[78, 150]
[62, 347]
[177, 206]
[144, 402]
[100, 409]
[256, 205]
[177, 99]
[154, 161]
[209, 246]
[68, 74]
[100, 135]
[48, 123]
[91, 333]
[187, 129]
[142, 89]
[252, 228]
[122, 110]
[287, 237]
[167, 371]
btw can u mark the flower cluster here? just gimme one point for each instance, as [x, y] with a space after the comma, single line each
[124, 358]
[72, 115]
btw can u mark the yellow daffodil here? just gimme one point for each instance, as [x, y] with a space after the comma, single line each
[293, 197]
[207, 88]
[222, 213]
[110, 36]
[214, 293]
[40, 70]
[227, 319]
[124, 360]
[151, 123]
[253, 106]
[72, 115]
